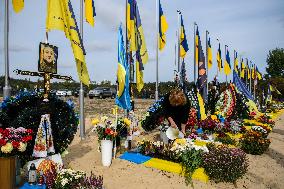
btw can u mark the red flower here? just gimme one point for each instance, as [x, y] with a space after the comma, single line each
[2, 142]
[29, 131]
[5, 133]
[108, 131]
[27, 138]
[15, 144]
[1, 130]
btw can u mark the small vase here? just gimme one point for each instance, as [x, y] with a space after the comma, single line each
[106, 146]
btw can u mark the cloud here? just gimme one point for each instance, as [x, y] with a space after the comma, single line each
[100, 46]
[16, 48]
[109, 12]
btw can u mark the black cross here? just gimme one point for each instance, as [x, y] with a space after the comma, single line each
[46, 76]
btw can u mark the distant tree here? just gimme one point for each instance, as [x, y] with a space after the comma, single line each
[275, 63]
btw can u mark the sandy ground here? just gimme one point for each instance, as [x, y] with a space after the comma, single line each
[265, 171]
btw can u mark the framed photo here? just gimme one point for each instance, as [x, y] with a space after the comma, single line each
[47, 58]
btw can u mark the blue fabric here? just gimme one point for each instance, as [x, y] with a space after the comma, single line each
[124, 100]
[27, 186]
[135, 157]
[241, 86]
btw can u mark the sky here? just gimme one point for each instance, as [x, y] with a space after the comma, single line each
[252, 28]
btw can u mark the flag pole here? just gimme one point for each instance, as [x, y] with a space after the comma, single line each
[225, 53]
[254, 82]
[7, 88]
[81, 99]
[157, 50]
[220, 60]
[179, 30]
[207, 65]
[194, 57]
[246, 74]
[250, 77]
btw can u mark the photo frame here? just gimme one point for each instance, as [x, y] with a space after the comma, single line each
[48, 55]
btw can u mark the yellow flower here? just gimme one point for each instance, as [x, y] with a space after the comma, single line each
[7, 148]
[127, 122]
[95, 121]
[22, 147]
[104, 118]
[214, 117]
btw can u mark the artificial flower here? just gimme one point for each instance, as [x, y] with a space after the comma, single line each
[22, 147]
[104, 118]
[7, 148]
[95, 121]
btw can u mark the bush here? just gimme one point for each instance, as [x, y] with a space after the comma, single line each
[254, 143]
[223, 164]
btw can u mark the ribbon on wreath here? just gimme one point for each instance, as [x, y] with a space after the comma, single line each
[44, 139]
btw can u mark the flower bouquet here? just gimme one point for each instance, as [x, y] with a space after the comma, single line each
[68, 178]
[14, 141]
[104, 129]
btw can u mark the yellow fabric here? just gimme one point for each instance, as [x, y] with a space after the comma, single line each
[227, 69]
[236, 65]
[248, 72]
[139, 78]
[143, 50]
[182, 50]
[121, 73]
[164, 28]
[199, 174]
[60, 17]
[130, 30]
[201, 106]
[210, 62]
[18, 5]
[200, 143]
[196, 48]
[164, 165]
[252, 73]
[219, 61]
[243, 70]
[89, 12]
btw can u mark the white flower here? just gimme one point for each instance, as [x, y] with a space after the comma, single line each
[22, 147]
[64, 181]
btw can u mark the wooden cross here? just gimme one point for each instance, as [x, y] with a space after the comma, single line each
[46, 76]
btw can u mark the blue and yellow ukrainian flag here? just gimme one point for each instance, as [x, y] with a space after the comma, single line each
[243, 68]
[209, 50]
[90, 12]
[219, 59]
[253, 72]
[227, 66]
[123, 96]
[60, 16]
[163, 27]
[137, 40]
[248, 70]
[196, 45]
[18, 5]
[236, 63]
[183, 40]
[259, 75]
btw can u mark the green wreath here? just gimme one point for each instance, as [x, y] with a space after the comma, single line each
[25, 110]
